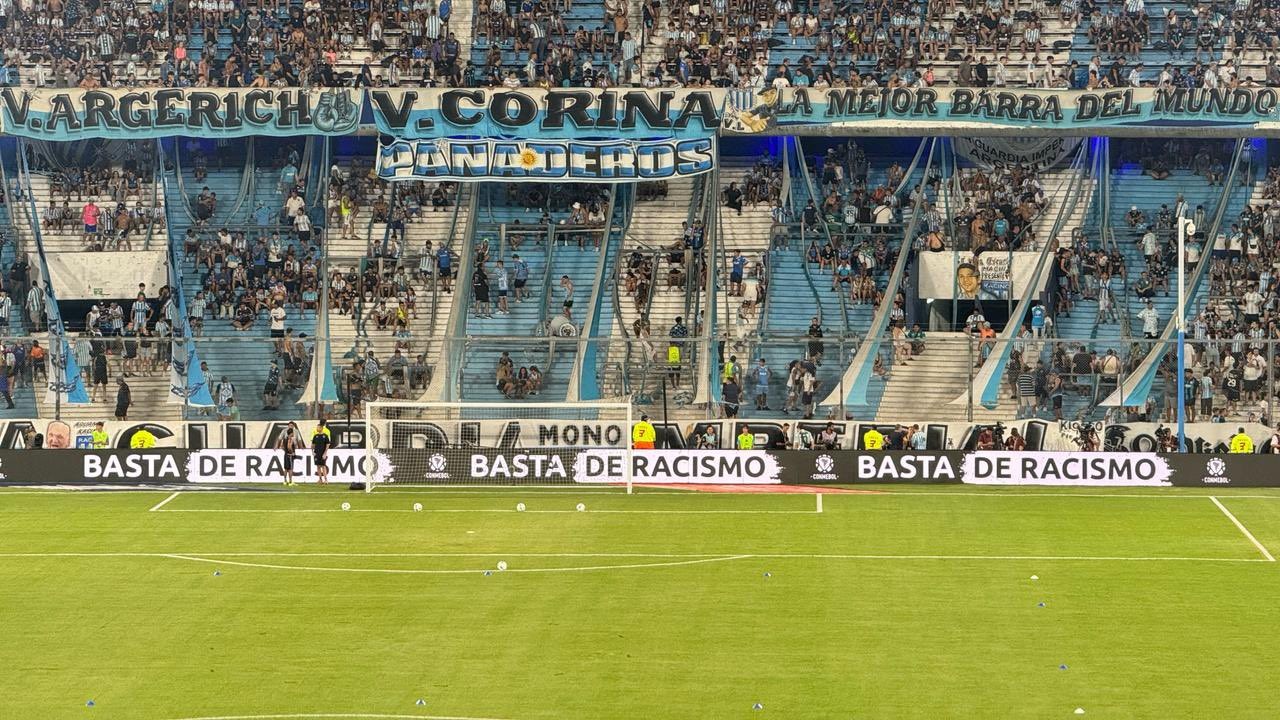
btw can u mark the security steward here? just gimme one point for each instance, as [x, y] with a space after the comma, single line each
[1241, 443]
[746, 441]
[99, 436]
[643, 435]
[873, 439]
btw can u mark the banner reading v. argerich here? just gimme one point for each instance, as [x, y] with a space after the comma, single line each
[75, 114]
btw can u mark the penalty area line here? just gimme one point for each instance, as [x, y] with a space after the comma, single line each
[213, 560]
[495, 510]
[336, 716]
[166, 501]
[1240, 526]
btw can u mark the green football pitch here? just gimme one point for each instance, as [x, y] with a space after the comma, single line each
[903, 603]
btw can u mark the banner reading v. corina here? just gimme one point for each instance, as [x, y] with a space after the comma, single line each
[75, 114]
[556, 114]
[838, 111]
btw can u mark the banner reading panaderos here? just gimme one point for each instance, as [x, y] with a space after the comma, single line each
[810, 111]
[74, 114]
[544, 160]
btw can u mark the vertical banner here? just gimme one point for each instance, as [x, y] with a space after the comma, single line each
[187, 383]
[321, 386]
[64, 381]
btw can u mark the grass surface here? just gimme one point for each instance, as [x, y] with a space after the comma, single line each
[910, 603]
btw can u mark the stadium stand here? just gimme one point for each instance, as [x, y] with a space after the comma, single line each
[244, 256]
[388, 308]
[659, 283]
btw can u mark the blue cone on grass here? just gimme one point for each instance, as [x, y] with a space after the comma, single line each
[89, 704]
[1062, 667]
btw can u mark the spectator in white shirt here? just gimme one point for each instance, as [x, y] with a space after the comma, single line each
[1150, 318]
[1135, 76]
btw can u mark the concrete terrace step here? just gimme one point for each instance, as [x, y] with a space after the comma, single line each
[929, 383]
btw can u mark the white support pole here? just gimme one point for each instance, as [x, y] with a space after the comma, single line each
[819, 497]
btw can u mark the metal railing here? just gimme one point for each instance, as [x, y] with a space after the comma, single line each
[1069, 378]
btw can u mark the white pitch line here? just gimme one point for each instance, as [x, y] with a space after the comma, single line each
[428, 571]
[693, 556]
[1243, 529]
[166, 501]
[337, 716]
[363, 555]
[494, 510]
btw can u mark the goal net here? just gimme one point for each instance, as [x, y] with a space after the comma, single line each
[517, 443]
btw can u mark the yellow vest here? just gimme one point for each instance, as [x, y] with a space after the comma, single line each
[673, 355]
[100, 438]
[1241, 443]
[873, 440]
[746, 441]
[643, 432]
[142, 440]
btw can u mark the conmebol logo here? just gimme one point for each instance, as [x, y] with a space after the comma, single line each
[824, 463]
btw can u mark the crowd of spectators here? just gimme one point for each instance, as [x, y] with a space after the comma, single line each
[250, 270]
[102, 194]
[382, 289]
[1230, 353]
[997, 213]
[517, 383]
[551, 50]
[196, 43]
[848, 233]
[724, 43]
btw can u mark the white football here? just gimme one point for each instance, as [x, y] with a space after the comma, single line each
[581, 507]
[346, 506]
[502, 564]
[417, 507]
[519, 507]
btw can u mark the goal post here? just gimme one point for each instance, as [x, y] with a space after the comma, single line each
[496, 444]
